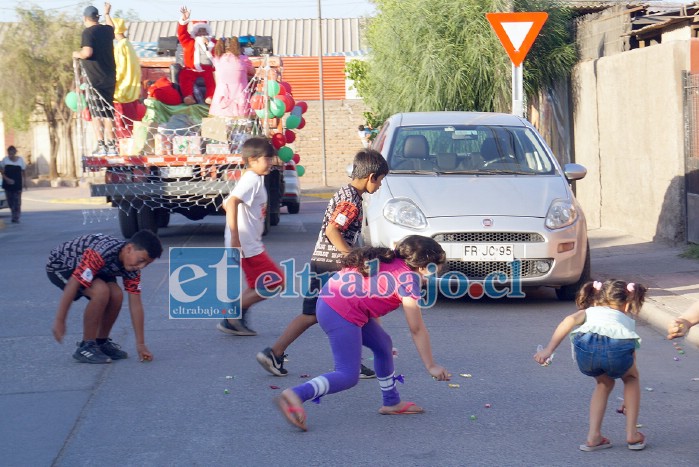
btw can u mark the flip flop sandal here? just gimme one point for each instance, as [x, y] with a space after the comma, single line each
[295, 415]
[603, 444]
[639, 445]
[405, 410]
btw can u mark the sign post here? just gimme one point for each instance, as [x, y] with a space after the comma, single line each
[517, 32]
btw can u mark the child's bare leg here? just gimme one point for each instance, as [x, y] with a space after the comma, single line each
[99, 298]
[632, 401]
[598, 405]
[296, 327]
[111, 313]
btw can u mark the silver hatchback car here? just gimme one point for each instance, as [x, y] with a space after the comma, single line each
[489, 190]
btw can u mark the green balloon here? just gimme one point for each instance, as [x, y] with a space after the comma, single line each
[277, 107]
[71, 100]
[301, 170]
[292, 121]
[285, 153]
[262, 113]
[272, 88]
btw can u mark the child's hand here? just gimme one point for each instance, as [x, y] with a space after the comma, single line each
[144, 354]
[542, 357]
[439, 373]
[678, 328]
[59, 330]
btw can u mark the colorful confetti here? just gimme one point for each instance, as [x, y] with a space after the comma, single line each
[229, 377]
[226, 391]
[304, 375]
[272, 386]
[473, 417]
[454, 385]
[487, 406]
[465, 375]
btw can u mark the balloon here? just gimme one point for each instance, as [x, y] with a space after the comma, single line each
[303, 106]
[290, 136]
[71, 100]
[282, 91]
[257, 102]
[86, 115]
[301, 170]
[302, 123]
[278, 140]
[272, 88]
[288, 102]
[292, 121]
[285, 154]
[296, 110]
[296, 158]
[262, 113]
[277, 107]
[286, 86]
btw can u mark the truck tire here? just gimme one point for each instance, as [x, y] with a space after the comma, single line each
[128, 222]
[147, 219]
[293, 208]
[162, 218]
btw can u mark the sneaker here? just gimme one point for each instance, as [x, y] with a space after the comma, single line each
[88, 352]
[366, 373]
[236, 328]
[271, 363]
[101, 150]
[112, 350]
[112, 149]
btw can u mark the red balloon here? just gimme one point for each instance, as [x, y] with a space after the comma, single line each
[301, 124]
[288, 102]
[290, 136]
[257, 102]
[303, 106]
[286, 86]
[278, 140]
[86, 114]
[296, 158]
[282, 91]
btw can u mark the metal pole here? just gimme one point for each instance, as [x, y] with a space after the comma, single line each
[517, 90]
[324, 177]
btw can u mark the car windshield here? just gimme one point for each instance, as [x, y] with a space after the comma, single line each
[469, 149]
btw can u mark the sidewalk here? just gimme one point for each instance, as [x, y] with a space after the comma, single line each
[673, 281]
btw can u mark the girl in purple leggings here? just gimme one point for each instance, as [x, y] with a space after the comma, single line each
[372, 283]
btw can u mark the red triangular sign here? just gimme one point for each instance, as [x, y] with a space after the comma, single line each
[517, 31]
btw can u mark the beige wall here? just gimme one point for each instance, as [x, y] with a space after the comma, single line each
[629, 135]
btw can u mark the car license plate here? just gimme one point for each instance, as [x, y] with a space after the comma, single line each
[489, 252]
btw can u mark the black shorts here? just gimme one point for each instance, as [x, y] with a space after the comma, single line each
[324, 271]
[60, 279]
[100, 102]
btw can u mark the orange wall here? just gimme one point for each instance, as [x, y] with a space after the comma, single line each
[302, 74]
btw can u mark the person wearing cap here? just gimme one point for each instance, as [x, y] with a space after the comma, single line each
[197, 44]
[97, 56]
[128, 80]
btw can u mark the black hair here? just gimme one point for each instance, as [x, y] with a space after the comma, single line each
[257, 146]
[612, 292]
[416, 250]
[11, 150]
[367, 162]
[148, 241]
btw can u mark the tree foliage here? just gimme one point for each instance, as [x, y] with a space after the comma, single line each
[37, 71]
[431, 55]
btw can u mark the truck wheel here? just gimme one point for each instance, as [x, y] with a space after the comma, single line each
[162, 218]
[274, 218]
[568, 292]
[293, 208]
[128, 223]
[147, 220]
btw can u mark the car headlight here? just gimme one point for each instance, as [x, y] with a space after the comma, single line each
[404, 212]
[562, 213]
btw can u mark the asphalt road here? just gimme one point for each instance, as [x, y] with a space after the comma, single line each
[175, 410]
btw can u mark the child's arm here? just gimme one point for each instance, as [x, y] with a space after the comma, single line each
[59, 324]
[231, 208]
[136, 310]
[335, 236]
[680, 326]
[107, 16]
[421, 338]
[563, 329]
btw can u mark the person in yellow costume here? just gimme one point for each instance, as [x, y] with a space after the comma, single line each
[128, 80]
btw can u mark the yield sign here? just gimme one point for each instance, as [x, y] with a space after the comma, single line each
[517, 31]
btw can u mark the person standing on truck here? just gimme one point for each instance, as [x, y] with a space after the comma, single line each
[233, 71]
[197, 45]
[97, 56]
[245, 210]
[128, 80]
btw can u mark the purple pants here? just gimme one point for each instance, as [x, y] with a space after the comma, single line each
[346, 340]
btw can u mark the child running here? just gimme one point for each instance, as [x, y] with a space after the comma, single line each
[340, 230]
[372, 283]
[605, 348]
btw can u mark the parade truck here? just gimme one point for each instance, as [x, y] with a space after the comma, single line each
[188, 167]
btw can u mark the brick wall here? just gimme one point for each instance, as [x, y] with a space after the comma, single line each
[342, 117]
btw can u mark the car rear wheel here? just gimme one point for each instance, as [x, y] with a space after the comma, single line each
[568, 292]
[293, 208]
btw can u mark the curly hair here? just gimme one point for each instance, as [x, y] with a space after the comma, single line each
[612, 292]
[227, 45]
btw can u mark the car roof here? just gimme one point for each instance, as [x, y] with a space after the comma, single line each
[457, 118]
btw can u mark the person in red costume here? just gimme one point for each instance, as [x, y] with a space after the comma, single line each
[197, 45]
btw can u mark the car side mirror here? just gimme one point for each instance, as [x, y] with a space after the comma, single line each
[574, 172]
